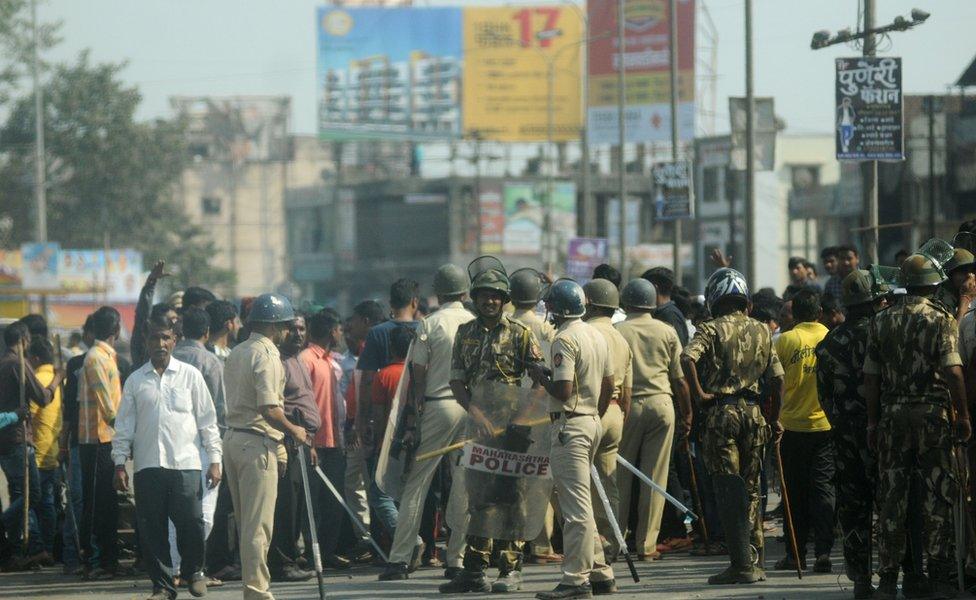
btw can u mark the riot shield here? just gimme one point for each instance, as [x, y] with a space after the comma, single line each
[507, 475]
[393, 464]
[884, 280]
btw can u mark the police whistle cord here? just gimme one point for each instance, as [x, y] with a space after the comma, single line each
[25, 490]
[621, 541]
[362, 529]
[309, 509]
[695, 497]
[458, 445]
[787, 513]
[689, 516]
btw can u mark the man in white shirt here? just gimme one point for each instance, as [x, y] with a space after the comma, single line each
[165, 415]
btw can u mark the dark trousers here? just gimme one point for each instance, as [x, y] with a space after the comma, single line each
[12, 465]
[101, 511]
[164, 495]
[330, 514]
[808, 468]
[289, 520]
[672, 524]
[222, 540]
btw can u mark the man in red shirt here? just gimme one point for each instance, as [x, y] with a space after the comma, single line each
[387, 379]
[324, 333]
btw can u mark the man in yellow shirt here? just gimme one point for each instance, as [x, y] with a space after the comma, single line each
[47, 428]
[807, 446]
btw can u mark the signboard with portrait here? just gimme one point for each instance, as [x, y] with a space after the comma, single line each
[868, 104]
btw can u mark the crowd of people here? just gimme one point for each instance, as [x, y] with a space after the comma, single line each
[261, 443]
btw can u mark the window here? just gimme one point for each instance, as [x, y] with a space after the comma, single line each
[805, 177]
[710, 192]
[210, 205]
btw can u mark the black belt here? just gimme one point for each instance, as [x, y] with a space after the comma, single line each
[554, 416]
[734, 400]
[254, 432]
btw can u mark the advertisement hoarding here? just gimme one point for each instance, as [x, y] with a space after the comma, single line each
[868, 105]
[673, 191]
[583, 255]
[525, 215]
[647, 62]
[510, 53]
[40, 266]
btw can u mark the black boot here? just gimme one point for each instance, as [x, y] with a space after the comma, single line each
[888, 588]
[467, 581]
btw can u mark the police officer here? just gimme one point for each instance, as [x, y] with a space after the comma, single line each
[725, 365]
[526, 293]
[649, 429]
[253, 450]
[440, 420]
[602, 301]
[916, 406]
[580, 384]
[840, 357]
[958, 290]
[497, 349]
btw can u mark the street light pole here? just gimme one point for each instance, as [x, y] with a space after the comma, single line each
[621, 137]
[40, 197]
[673, 54]
[750, 212]
[869, 170]
[550, 167]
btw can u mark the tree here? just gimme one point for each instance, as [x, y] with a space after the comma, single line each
[109, 178]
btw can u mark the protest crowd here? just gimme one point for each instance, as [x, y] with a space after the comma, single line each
[517, 420]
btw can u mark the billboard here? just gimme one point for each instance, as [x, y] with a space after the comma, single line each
[673, 196]
[868, 105]
[405, 73]
[583, 255]
[511, 57]
[646, 60]
[525, 216]
[40, 265]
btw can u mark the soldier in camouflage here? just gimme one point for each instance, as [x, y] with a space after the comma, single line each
[724, 365]
[957, 291]
[840, 387]
[491, 348]
[916, 401]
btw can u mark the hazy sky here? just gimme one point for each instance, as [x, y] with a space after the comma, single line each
[229, 47]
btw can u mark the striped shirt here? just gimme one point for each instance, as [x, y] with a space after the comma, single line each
[99, 395]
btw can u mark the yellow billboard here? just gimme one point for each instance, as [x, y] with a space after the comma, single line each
[520, 63]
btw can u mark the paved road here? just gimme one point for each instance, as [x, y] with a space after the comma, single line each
[677, 576]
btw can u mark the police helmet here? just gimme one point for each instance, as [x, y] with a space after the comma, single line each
[450, 280]
[723, 283]
[961, 259]
[271, 308]
[857, 288]
[491, 280]
[639, 293]
[919, 270]
[526, 286]
[602, 293]
[566, 299]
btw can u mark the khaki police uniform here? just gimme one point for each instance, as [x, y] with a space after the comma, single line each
[441, 423]
[254, 377]
[649, 428]
[612, 423]
[579, 354]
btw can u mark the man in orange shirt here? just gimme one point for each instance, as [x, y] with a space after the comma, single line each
[387, 379]
[98, 402]
[324, 333]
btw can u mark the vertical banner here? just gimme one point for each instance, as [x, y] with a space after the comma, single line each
[583, 255]
[492, 209]
[869, 118]
[511, 57]
[647, 63]
[673, 191]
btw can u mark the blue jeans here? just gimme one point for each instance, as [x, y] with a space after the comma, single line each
[381, 503]
[69, 552]
[12, 464]
[47, 513]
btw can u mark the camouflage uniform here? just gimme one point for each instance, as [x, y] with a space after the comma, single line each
[908, 346]
[840, 387]
[732, 354]
[499, 355]
[945, 296]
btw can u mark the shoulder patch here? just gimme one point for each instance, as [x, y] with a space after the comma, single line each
[557, 360]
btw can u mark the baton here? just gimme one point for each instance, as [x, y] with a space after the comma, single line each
[598, 484]
[352, 515]
[788, 513]
[458, 445]
[689, 516]
[25, 493]
[695, 497]
[316, 555]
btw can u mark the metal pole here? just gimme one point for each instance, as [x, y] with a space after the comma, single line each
[621, 137]
[40, 197]
[930, 100]
[550, 250]
[589, 205]
[750, 212]
[673, 53]
[869, 170]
